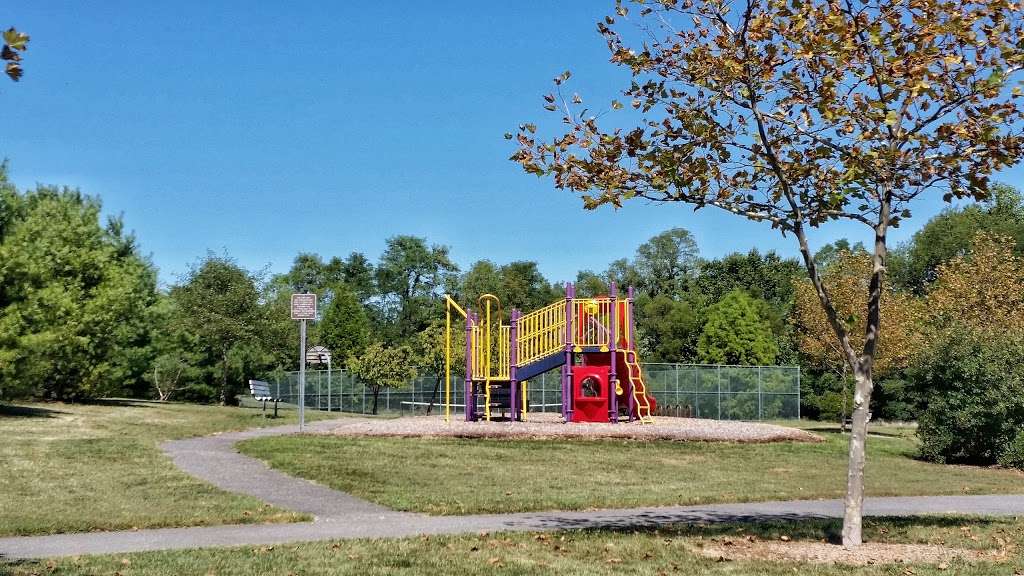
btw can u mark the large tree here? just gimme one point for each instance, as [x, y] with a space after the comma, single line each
[410, 278]
[951, 233]
[796, 114]
[736, 333]
[220, 303]
[843, 279]
[344, 328]
[74, 297]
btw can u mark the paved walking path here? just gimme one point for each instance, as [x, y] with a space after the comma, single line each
[340, 516]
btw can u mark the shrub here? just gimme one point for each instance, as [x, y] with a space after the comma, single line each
[896, 400]
[822, 396]
[974, 391]
[1013, 455]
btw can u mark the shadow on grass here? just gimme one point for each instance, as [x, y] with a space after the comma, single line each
[124, 402]
[837, 431]
[11, 411]
[766, 527]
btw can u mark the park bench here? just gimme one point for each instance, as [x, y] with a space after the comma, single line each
[261, 393]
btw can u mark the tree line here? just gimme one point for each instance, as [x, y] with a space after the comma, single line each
[82, 315]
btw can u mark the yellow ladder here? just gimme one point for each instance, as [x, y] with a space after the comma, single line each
[636, 380]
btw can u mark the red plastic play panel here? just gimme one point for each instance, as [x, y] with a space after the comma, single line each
[590, 393]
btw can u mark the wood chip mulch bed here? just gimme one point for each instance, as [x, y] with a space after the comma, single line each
[550, 426]
[870, 553]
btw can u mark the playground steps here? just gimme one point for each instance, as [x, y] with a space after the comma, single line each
[500, 398]
[636, 379]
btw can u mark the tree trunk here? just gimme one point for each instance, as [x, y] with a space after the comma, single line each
[854, 509]
[376, 394]
[433, 395]
[224, 391]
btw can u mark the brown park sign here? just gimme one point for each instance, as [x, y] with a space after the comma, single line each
[303, 306]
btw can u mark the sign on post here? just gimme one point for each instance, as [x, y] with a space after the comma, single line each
[318, 355]
[303, 306]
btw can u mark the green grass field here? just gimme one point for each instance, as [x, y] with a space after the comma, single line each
[455, 476]
[666, 551]
[75, 467]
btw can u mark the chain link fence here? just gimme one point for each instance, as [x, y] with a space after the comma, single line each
[687, 390]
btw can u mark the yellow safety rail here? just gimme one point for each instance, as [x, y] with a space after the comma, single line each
[495, 365]
[449, 305]
[591, 322]
[503, 370]
[636, 380]
[540, 333]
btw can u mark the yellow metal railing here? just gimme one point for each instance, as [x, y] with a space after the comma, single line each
[503, 370]
[496, 365]
[540, 333]
[591, 322]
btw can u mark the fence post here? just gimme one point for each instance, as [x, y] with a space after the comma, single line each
[676, 370]
[760, 405]
[718, 377]
[797, 392]
[696, 390]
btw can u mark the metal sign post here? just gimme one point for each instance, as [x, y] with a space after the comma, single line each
[303, 308]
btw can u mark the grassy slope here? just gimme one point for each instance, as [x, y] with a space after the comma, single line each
[667, 551]
[446, 476]
[73, 467]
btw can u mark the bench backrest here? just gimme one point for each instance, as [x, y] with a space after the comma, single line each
[260, 390]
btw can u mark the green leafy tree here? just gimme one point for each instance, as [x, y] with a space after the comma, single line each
[951, 233]
[220, 303]
[524, 287]
[429, 350]
[383, 367]
[665, 263]
[176, 361]
[344, 328]
[668, 329]
[410, 278]
[518, 284]
[357, 273]
[74, 297]
[796, 115]
[15, 44]
[483, 277]
[309, 273]
[590, 284]
[735, 333]
[833, 251]
[768, 277]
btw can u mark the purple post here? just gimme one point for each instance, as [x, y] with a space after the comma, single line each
[613, 350]
[470, 408]
[512, 360]
[631, 346]
[570, 293]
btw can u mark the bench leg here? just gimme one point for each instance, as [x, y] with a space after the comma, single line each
[264, 407]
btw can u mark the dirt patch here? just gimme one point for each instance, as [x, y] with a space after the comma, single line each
[551, 426]
[824, 553]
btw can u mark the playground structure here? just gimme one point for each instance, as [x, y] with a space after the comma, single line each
[590, 339]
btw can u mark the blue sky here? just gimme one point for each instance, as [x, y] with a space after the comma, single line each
[268, 128]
